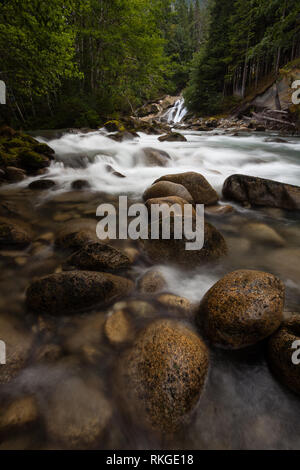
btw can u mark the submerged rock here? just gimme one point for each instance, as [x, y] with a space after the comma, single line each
[42, 185]
[122, 136]
[118, 328]
[242, 308]
[262, 233]
[163, 374]
[172, 137]
[76, 234]
[281, 353]
[262, 192]
[155, 157]
[14, 234]
[99, 257]
[69, 292]
[175, 304]
[219, 210]
[80, 184]
[165, 189]
[77, 413]
[19, 414]
[151, 282]
[199, 188]
[18, 341]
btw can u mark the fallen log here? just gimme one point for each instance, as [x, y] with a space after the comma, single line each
[267, 118]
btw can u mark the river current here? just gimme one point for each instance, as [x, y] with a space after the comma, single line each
[243, 406]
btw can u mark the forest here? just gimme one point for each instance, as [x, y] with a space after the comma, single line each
[79, 62]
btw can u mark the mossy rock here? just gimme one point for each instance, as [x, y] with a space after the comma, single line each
[43, 149]
[114, 126]
[7, 158]
[21, 150]
[32, 161]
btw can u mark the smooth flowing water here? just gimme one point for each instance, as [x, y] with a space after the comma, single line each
[243, 406]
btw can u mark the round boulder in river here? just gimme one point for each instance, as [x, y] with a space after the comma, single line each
[165, 189]
[200, 189]
[174, 251]
[163, 374]
[242, 308]
[69, 292]
[283, 355]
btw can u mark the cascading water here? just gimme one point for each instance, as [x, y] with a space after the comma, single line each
[177, 112]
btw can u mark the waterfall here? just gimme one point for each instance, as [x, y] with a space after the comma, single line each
[177, 112]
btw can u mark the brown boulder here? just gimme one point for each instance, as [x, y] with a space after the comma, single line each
[170, 201]
[262, 192]
[242, 308]
[172, 137]
[14, 234]
[165, 189]
[69, 292]
[281, 353]
[175, 252]
[99, 257]
[199, 188]
[15, 175]
[41, 185]
[163, 374]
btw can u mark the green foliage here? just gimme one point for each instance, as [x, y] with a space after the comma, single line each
[248, 40]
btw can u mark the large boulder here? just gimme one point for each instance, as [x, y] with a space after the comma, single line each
[165, 189]
[173, 251]
[243, 308]
[163, 374]
[281, 351]
[69, 292]
[262, 192]
[14, 234]
[99, 257]
[200, 189]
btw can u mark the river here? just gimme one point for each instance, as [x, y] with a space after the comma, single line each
[243, 406]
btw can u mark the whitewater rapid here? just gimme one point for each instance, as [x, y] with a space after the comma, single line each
[86, 156]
